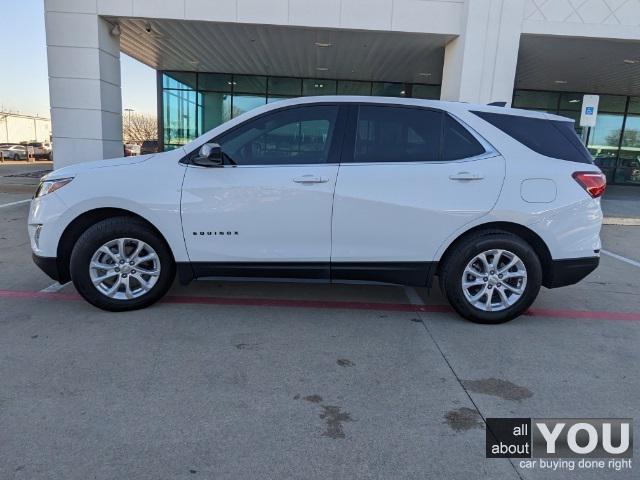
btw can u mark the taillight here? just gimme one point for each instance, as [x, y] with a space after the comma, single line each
[594, 183]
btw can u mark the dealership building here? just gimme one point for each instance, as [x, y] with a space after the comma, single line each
[219, 58]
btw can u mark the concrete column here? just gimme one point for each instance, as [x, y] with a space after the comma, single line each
[480, 64]
[84, 83]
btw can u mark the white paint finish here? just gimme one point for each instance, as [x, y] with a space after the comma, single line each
[392, 212]
[408, 223]
[621, 258]
[115, 7]
[538, 190]
[367, 14]
[480, 64]
[84, 94]
[72, 6]
[428, 16]
[308, 13]
[84, 77]
[276, 218]
[71, 29]
[117, 183]
[274, 12]
[159, 8]
[618, 12]
[205, 10]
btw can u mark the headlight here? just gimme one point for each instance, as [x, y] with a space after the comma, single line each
[50, 186]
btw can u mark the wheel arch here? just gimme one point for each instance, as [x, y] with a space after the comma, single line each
[81, 223]
[525, 233]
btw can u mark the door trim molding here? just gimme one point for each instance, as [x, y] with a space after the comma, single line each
[401, 273]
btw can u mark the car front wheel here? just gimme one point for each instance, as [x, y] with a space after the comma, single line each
[491, 277]
[121, 264]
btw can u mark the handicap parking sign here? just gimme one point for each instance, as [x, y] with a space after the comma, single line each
[588, 111]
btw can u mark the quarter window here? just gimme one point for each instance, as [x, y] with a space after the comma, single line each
[291, 136]
[396, 134]
[458, 142]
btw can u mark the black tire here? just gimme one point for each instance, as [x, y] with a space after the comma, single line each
[464, 252]
[110, 229]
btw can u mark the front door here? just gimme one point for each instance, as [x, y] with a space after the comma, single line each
[267, 211]
[410, 178]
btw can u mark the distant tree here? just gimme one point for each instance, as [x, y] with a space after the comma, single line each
[138, 127]
[631, 138]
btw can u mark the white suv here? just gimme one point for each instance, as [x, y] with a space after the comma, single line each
[493, 201]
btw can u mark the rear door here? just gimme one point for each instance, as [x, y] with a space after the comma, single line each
[409, 178]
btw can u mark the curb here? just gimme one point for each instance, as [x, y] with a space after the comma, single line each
[621, 221]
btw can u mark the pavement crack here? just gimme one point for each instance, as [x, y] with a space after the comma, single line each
[414, 299]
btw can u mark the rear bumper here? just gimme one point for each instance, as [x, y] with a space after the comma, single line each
[570, 271]
[48, 265]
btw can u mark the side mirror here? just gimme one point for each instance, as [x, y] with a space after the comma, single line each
[210, 155]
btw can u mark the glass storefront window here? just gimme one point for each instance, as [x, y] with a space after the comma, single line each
[179, 116]
[612, 103]
[386, 89]
[346, 87]
[429, 92]
[532, 100]
[634, 105]
[250, 84]
[628, 170]
[244, 103]
[214, 108]
[603, 143]
[272, 99]
[282, 86]
[194, 103]
[179, 80]
[318, 87]
[216, 82]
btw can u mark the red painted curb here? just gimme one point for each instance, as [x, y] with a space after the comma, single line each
[328, 304]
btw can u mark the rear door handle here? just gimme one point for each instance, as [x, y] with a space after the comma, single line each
[466, 176]
[310, 179]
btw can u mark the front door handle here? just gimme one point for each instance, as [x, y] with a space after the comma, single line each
[310, 179]
[466, 176]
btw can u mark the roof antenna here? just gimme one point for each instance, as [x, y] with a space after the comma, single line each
[497, 104]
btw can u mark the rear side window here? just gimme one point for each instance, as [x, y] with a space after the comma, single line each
[550, 138]
[397, 134]
[458, 142]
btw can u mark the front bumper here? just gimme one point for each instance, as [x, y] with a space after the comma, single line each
[48, 265]
[569, 271]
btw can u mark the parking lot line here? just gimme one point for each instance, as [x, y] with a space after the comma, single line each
[54, 287]
[332, 304]
[19, 202]
[621, 258]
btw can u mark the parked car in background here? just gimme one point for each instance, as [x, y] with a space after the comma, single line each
[131, 150]
[149, 146]
[14, 152]
[494, 202]
[41, 149]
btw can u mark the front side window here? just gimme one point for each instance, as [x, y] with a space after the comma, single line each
[397, 134]
[288, 137]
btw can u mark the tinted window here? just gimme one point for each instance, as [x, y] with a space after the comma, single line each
[551, 138]
[291, 136]
[458, 142]
[396, 134]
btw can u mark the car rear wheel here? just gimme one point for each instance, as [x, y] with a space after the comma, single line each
[491, 277]
[121, 264]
